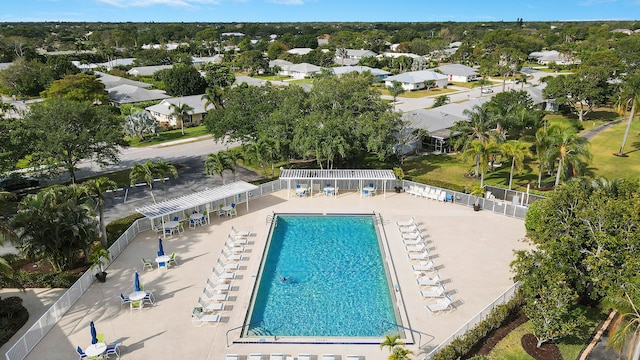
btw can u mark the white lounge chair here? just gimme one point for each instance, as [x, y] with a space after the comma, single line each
[255, 356]
[417, 248]
[415, 242]
[408, 223]
[277, 356]
[409, 229]
[440, 305]
[237, 240]
[424, 266]
[228, 267]
[231, 257]
[328, 357]
[421, 256]
[198, 317]
[352, 357]
[215, 297]
[214, 306]
[232, 357]
[304, 357]
[429, 281]
[411, 236]
[237, 233]
[433, 292]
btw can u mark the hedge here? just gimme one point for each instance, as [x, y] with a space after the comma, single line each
[118, 227]
[12, 317]
[26, 279]
[461, 346]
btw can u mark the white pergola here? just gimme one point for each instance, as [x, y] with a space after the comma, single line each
[196, 200]
[335, 175]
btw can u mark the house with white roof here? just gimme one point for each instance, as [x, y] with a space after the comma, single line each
[353, 56]
[459, 72]
[199, 61]
[415, 80]
[111, 81]
[168, 47]
[279, 63]
[147, 70]
[300, 71]
[378, 74]
[128, 94]
[548, 56]
[299, 51]
[396, 55]
[163, 112]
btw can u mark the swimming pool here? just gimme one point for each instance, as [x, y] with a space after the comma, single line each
[322, 276]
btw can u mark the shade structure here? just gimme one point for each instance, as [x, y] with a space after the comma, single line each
[136, 282]
[94, 335]
[160, 249]
[328, 176]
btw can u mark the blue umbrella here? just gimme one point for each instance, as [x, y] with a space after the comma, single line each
[136, 282]
[94, 336]
[160, 249]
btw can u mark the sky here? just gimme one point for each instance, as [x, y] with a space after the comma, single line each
[316, 10]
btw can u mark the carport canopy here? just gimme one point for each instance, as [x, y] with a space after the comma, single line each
[197, 199]
[320, 175]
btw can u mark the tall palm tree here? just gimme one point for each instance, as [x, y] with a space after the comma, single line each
[625, 329]
[631, 93]
[96, 189]
[146, 172]
[232, 158]
[264, 152]
[213, 96]
[544, 152]
[163, 169]
[180, 111]
[482, 152]
[571, 150]
[516, 151]
[522, 80]
[214, 164]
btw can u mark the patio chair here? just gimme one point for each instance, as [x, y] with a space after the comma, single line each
[221, 212]
[433, 292]
[175, 218]
[421, 256]
[415, 242]
[180, 228]
[429, 281]
[168, 232]
[409, 229]
[135, 304]
[214, 306]
[304, 357]
[146, 264]
[244, 233]
[192, 223]
[416, 248]
[113, 349]
[172, 259]
[441, 305]
[352, 357]
[233, 212]
[215, 297]
[123, 300]
[232, 357]
[238, 240]
[276, 356]
[407, 223]
[328, 357]
[228, 267]
[232, 257]
[81, 353]
[424, 266]
[198, 317]
[255, 356]
[149, 298]
[335, 193]
[412, 236]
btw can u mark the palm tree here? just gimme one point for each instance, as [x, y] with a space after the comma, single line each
[482, 152]
[215, 164]
[478, 127]
[7, 234]
[522, 80]
[571, 150]
[161, 170]
[441, 100]
[96, 189]
[395, 90]
[232, 158]
[544, 152]
[391, 341]
[625, 329]
[516, 151]
[213, 96]
[400, 353]
[631, 92]
[263, 151]
[146, 172]
[180, 111]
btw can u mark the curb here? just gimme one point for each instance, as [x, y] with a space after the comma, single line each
[180, 142]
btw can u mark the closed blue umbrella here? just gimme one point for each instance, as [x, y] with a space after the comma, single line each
[94, 335]
[136, 282]
[160, 249]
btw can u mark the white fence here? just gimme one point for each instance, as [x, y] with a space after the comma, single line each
[502, 299]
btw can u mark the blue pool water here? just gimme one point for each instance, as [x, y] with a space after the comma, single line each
[335, 280]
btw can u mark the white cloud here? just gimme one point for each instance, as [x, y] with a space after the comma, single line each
[287, 2]
[143, 3]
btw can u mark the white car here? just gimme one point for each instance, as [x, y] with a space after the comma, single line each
[487, 90]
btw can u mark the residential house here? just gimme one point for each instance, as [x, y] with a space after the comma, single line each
[128, 94]
[147, 70]
[379, 75]
[415, 80]
[279, 63]
[300, 51]
[396, 55]
[459, 72]
[553, 56]
[107, 65]
[111, 81]
[199, 61]
[300, 71]
[353, 56]
[163, 112]
[323, 39]
[168, 47]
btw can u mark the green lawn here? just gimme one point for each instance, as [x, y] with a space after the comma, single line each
[171, 135]
[272, 77]
[510, 348]
[607, 143]
[302, 81]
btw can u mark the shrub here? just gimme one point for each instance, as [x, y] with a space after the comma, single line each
[118, 227]
[461, 346]
[42, 280]
[12, 317]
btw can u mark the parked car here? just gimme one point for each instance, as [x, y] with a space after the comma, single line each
[487, 90]
[14, 183]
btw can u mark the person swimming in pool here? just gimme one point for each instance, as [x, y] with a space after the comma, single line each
[285, 278]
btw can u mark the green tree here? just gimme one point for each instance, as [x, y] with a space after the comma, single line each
[264, 152]
[180, 111]
[140, 124]
[162, 169]
[96, 189]
[395, 89]
[56, 224]
[517, 151]
[391, 342]
[276, 49]
[217, 75]
[25, 77]
[481, 152]
[78, 87]
[571, 151]
[184, 80]
[149, 170]
[62, 133]
[213, 96]
[215, 164]
[441, 100]
[545, 152]
[630, 94]
[625, 329]
[580, 92]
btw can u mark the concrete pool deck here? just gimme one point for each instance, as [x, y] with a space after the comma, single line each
[471, 250]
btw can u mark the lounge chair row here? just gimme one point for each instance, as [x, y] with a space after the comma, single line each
[430, 193]
[280, 356]
[216, 291]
